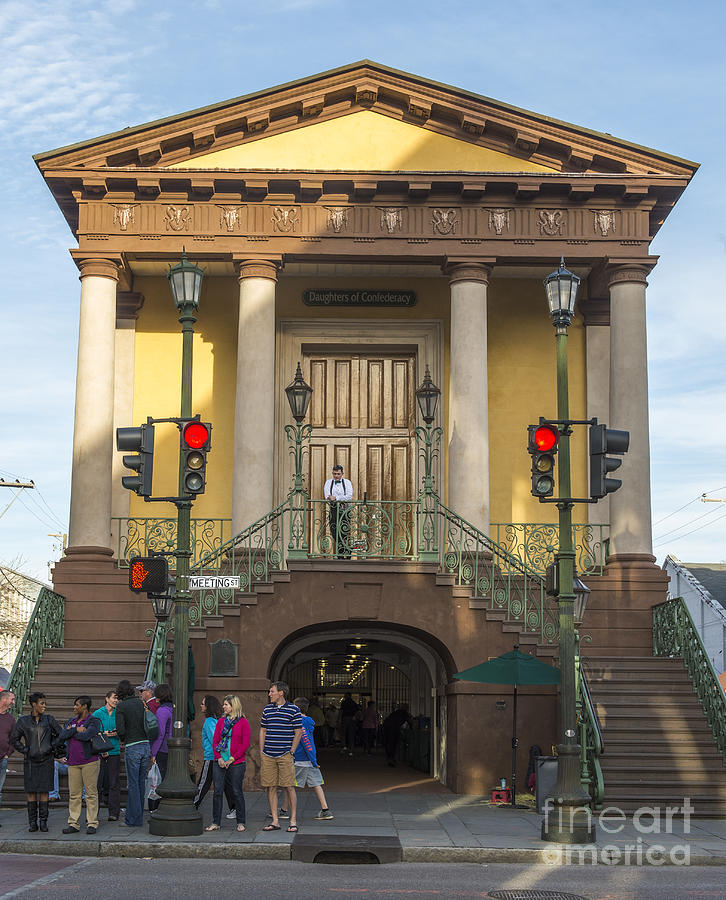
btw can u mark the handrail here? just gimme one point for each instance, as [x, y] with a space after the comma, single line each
[138, 535]
[535, 543]
[591, 742]
[45, 629]
[675, 634]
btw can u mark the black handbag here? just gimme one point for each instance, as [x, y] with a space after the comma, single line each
[101, 744]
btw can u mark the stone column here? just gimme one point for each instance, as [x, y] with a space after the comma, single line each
[468, 413]
[254, 414]
[596, 314]
[630, 514]
[128, 304]
[93, 443]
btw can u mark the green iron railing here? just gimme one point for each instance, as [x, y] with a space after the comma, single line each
[495, 576]
[675, 635]
[423, 530]
[45, 629]
[591, 742]
[137, 536]
[375, 529]
[536, 544]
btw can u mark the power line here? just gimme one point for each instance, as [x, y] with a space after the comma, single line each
[694, 530]
[686, 524]
[695, 499]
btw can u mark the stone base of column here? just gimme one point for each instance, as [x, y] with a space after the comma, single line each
[644, 562]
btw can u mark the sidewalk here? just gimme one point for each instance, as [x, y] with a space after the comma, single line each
[430, 827]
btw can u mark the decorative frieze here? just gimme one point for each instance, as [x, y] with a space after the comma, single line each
[177, 218]
[499, 220]
[604, 221]
[391, 218]
[230, 218]
[444, 221]
[551, 222]
[337, 218]
[123, 215]
[285, 218]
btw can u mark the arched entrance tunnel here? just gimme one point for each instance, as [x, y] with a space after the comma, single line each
[389, 668]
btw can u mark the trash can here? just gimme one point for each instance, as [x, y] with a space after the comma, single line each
[546, 769]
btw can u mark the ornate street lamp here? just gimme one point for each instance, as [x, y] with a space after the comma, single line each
[298, 394]
[569, 821]
[162, 605]
[427, 397]
[561, 289]
[176, 815]
[582, 595]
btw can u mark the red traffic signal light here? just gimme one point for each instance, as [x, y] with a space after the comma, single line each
[195, 434]
[545, 437]
[196, 441]
[149, 575]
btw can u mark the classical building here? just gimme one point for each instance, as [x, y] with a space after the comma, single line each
[366, 223]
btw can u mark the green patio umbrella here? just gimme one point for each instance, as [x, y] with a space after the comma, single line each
[513, 668]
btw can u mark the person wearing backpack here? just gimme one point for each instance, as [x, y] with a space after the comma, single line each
[132, 731]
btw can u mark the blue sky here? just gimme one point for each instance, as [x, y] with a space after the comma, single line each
[651, 74]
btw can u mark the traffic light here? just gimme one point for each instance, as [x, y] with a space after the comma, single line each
[196, 440]
[149, 574]
[140, 440]
[542, 447]
[604, 440]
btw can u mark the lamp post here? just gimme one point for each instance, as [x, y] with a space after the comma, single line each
[427, 397]
[176, 815]
[569, 821]
[298, 394]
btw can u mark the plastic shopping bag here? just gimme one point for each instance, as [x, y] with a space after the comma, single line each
[153, 780]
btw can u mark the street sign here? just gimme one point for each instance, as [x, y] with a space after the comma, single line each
[212, 582]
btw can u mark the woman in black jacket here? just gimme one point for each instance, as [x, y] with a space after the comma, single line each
[35, 736]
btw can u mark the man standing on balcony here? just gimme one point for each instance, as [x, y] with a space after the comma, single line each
[7, 723]
[338, 491]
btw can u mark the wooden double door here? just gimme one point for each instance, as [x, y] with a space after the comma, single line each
[362, 412]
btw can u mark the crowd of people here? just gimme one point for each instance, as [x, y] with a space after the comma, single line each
[140, 719]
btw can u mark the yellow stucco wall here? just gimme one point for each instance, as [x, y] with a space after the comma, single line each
[362, 141]
[521, 379]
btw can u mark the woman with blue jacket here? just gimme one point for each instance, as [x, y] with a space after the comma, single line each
[212, 710]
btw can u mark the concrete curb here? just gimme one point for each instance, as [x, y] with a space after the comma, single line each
[189, 850]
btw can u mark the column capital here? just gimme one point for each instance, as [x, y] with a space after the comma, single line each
[105, 266]
[257, 268]
[128, 304]
[468, 270]
[635, 272]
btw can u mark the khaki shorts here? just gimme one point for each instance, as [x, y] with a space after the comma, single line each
[277, 771]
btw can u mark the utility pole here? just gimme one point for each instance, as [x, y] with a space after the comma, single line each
[14, 484]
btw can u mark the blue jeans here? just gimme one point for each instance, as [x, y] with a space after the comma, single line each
[228, 781]
[137, 762]
[3, 773]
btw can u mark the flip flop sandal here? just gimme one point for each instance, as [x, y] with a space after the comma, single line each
[271, 828]
[292, 828]
[240, 828]
[212, 828]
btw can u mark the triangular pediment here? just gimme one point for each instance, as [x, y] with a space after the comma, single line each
[434, 124]
[363, 141]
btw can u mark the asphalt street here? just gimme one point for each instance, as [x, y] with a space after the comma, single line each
[112, 878]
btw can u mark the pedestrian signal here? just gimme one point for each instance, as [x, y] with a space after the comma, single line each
[149, 575]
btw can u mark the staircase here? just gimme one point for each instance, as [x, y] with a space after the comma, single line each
[64, 673]
[659, 748]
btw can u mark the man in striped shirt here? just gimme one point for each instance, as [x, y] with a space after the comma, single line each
[280, 733]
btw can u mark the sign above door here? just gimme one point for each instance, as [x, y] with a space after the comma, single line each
[363, 297]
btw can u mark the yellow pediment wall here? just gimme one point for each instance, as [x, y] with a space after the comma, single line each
[362, 141]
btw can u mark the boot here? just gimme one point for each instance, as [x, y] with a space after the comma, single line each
[33, 815]
[43, 814]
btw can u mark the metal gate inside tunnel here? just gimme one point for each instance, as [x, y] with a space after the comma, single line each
[390, 670]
